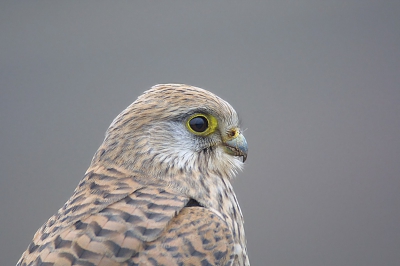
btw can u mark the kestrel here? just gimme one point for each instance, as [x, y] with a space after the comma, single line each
[158, 190]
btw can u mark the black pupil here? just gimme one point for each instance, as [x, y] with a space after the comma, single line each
[198, 124]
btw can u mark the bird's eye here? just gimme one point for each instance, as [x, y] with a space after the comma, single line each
[201, 124]
[198, 123]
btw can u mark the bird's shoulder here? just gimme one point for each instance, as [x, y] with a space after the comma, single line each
[196, 236]
[114, 219]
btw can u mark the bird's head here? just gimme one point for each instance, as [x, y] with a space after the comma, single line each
[175, 128]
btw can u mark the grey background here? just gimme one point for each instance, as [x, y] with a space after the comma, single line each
[316, 84]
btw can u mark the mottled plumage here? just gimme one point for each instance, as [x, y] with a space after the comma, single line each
[157, 191]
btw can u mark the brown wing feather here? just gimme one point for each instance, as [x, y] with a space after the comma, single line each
[197, 236]
[116, 232]
[148, 227]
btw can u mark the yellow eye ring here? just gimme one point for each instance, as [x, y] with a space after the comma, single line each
[201, 124]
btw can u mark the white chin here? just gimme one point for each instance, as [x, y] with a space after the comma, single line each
[233, 163]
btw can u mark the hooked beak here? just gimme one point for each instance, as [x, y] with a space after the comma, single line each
[237, 146]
